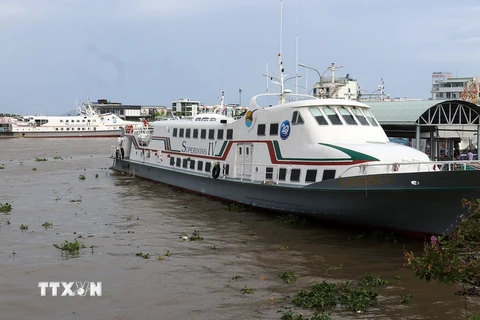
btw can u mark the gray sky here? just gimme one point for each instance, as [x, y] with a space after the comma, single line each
[151, 52]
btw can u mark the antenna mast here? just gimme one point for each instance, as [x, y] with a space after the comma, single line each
[282, 93]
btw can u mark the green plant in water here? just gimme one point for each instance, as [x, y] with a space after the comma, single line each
[168, 254]
[453, 259]
[70, 247]
[291, 316]
[369, 280]
[6, 207]
[237, 207]
[2, 166]
[247, 290]
[23, 227]
[405, 298]
[57, 158]
[291, 219]
[96, 175]
[143, 255]
[288, 276]
[40, 159]
[34, 169]
[47, 225]
[195, 236]
[325, 296]
[82, 177]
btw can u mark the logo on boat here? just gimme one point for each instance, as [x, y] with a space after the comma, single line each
[249, 118]
[285, 130]
[114, 120]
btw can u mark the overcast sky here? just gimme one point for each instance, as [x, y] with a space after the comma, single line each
[151, 52]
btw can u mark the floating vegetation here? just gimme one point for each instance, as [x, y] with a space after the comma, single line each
[40, 159]
[250, 233]
[288, 276]
[47, 225]
[196, 236]
[8, 222]
[161, 258]
[291, 219]
[247, 290]
[2, 166]
[5, 208]
[237, 207]
[283, 248]
[76, 200]
[405, 298]
[336, 268]
[23, 227]
[82, 177]
[168, 254]
[290, 316]
[58, 158]
[129, 218]
[130, 231]
[96, 175]
[385, 236]
[34, 169]
[143, 255]
[213, 247]
[236, 277]
[70, 247]
[325, 296]
[369, 280]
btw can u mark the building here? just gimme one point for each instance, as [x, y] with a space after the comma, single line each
[128, 112]
[185, 108]
[445, 87]
[337, 88]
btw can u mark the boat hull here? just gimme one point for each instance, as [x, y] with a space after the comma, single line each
[74, 134]
[391, 201]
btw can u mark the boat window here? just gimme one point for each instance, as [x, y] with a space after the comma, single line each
[56, 129]
[211, 134]
[328, 174]
[61, 120]
[247, 150]
[185, 163]
[332, 115]
[192, 164]
[66, 120]
[318, 115]
[208, 166]
[347, 116]
[361, 118]
[282, 174]
[203, 133]
[239, 150]
[174, 132]
[172, 161]
[179, 161]
[200, 165]
[311, 175]
[195, 133]
[220, 134]
[198, 119]
[370, 117]
[187, 133]
[261, 129]
[269, 173]
[83, 120]
[226, 170]
[180, 134]
[229, 134]
[273, 129]
[295, 175]
[297, 118]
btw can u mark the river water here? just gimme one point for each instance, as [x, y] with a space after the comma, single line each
[120, 216]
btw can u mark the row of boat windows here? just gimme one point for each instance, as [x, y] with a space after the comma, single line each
[61, 120]
[295, 174]
[196, 164]
[193, 133]
[343, 115]
[78, 129]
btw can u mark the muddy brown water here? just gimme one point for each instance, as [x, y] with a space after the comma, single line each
[121, 215]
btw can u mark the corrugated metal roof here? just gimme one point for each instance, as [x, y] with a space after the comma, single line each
[401, 112]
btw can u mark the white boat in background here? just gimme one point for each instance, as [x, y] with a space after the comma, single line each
[86, 124]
